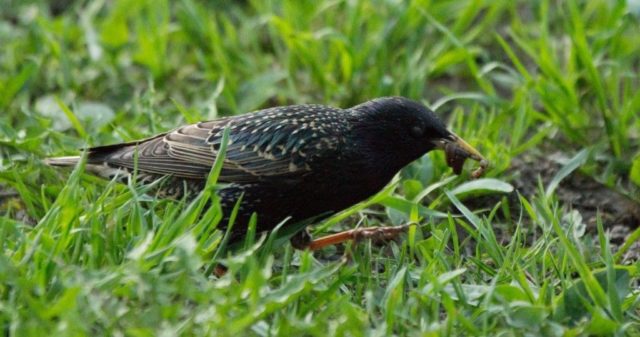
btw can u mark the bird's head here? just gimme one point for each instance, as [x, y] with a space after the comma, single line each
[394, 131]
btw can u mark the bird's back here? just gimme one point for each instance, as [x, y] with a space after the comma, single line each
[270, 156]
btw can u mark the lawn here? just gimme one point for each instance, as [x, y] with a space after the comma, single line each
[546, 243]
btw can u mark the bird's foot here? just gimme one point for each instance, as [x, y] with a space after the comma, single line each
[301, 240]
[373, 233]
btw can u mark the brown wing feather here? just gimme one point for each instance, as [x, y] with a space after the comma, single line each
[153, 157]
[272, 142]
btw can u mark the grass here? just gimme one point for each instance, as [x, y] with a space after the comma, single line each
[83, 256]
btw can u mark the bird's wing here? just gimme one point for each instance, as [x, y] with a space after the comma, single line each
[280, 142]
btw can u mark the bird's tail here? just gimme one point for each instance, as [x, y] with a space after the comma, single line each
[62, 161]
[100, 169]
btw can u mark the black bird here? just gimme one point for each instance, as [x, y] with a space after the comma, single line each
[295, 162]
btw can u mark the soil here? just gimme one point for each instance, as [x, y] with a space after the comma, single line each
[579, 192]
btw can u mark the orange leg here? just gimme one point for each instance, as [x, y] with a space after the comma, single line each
[303, 240]
[374, 233]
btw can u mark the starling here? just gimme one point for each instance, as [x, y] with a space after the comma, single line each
[291, 162]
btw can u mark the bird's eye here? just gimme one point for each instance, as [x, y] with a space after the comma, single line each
[417, 131]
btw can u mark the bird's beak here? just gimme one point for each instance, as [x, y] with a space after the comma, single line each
[454, 139]
[457, 150]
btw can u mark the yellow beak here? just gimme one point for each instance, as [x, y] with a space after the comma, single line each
[472, 152]
[457, 150]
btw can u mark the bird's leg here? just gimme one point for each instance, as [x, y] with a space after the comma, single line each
[374, 233]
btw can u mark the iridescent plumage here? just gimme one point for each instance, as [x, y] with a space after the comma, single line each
[296, 161]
